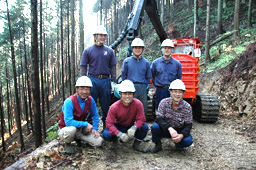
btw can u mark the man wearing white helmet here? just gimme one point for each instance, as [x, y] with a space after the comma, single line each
[126, 119]
[73, 124]
[137, 69]
[173, 119]
[102, 69]
[164, 70]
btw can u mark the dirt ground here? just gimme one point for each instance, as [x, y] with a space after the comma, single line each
[216, 146]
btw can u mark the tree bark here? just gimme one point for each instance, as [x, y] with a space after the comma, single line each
[195, 16]
[2, 119]
[81, 27]
[236, 19]
[220, 26]
[62, 51]
[207, 34]
[23, 84]
[35, 76]
[27, 77]
[68, 53]
[42, 70]
[17, 115]
[8, 101]
[249, 22]
[73, 69]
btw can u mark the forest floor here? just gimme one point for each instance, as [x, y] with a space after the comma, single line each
[230, 143]
[216, 146]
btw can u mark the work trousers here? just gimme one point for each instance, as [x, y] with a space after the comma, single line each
[140, 134]
[141, 94]
[101, 90]
[161, 93]
[158, 133]
[70, 133]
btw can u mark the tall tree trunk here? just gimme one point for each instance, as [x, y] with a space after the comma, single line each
[207, 34]
[2, 119]
[249, 20]
[42, 69]
[162, 12]
[68, 53]
[115, 20]
[73, 69]
[57, 68]
[24, 94]
[236, 19]
[101, 9]
[81, 27]
[35, 76]
[18, 120]
[27, 77]
[13, 121]
[220, 26]
[47, 75]
[8, 101]
[61, 49]
[195, 16]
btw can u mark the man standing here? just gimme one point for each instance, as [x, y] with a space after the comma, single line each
[173, 119]
[102, 63]
[137, 69]
[73, 124]
[164, 70]
[126, 118]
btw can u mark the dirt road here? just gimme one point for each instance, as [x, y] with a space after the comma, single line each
[216, 146]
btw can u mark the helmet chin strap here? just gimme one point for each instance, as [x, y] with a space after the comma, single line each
[96, 39]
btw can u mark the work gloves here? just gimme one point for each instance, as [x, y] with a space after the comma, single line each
[131, 131]
[123, 137]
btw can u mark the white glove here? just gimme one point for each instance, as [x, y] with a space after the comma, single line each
[123, 137]
[131, 131]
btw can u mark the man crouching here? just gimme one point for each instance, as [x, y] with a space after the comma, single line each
[73, 124]
[173, 119]
[126, 119]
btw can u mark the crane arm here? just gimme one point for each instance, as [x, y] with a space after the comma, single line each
[133, 22]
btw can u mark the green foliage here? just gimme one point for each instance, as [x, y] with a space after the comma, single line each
[227, 50]
[52, 133]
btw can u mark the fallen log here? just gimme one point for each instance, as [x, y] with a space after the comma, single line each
[223, 37]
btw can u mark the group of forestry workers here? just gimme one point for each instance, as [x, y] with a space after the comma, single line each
[125, 119]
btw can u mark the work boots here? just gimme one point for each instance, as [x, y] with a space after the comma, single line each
[114, 144]
[69, 149]
[136, 146]
[78, 142]
[157, 147]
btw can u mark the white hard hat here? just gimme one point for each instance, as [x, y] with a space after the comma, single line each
[167, 43]
[137, 42]
[127, 86]
[83, 81]
[100, 30]
[177, 84]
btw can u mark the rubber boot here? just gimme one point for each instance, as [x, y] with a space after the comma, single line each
[114, 144]
[157, 147]
[69, 149]
[78, 142]
[179, 149]
[136, 146]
